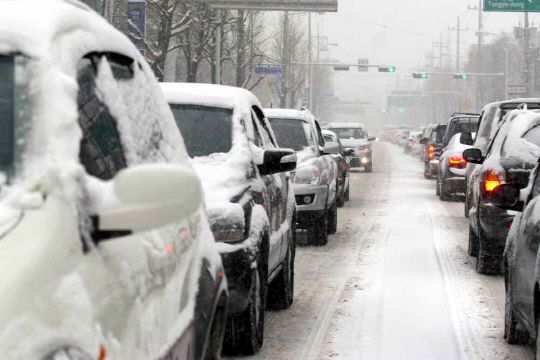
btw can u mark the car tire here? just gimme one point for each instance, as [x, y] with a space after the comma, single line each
[473, 242]
[245, 331]
[485, 265]
[347, 193]
[281, 290]
[369, 168]
[512, 334]
[216, 335]
[318, 232]
[427, 173]
[332, 219]
[341, 200]
[438, 187]
[466, 206]
[444, 194]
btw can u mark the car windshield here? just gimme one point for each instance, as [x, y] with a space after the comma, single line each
[291, 133]
[350, 133]
[206, 130]
[14, 111]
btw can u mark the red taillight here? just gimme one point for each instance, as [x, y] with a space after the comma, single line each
[492, 181]
[414, 142]
[431, 155]
[509, 225]
[431, 148]
[456, 160]
[344, 166]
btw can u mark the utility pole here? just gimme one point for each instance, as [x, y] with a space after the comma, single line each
[310, 82]
[459, 30]
[479, 91]
[286, 62]
[440, 45]
[527, 54]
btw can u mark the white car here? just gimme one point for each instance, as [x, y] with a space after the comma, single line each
[453, 167]
[103, 234]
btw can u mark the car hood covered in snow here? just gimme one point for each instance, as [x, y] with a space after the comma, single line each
[354, 143]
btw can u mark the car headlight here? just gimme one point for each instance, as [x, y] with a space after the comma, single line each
[307, 175]
[364, 148]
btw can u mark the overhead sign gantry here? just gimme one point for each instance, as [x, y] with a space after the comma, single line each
[276, 5]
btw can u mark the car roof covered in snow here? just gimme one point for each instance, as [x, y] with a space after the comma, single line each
[345, 125]
[32, 27]
[288, 113]
[221, 96]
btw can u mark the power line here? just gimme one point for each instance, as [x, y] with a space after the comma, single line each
[385, 26]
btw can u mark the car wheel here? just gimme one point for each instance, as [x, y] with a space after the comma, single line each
[347, 194]
[217, 332]
[427, 173]
[369, 168]
[486, 264]
[332, 219]
[512, 334]
[245, 333]
[318, 232]
[473, 242]
[281, 290]
[438, 187]
[341, 200]
[444, 192]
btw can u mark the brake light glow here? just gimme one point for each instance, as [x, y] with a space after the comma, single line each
[344, 166]
[456, 160]
[492, 181]
[509, 224]
[414, 142]
[431, 155]
[431, 148]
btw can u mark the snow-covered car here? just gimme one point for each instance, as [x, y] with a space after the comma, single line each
[316, 178]
[355, 136]
[452, 166]
[491, 116]
[432, 150]
[250, 200]
[521, 259]
[511, 155]
[104, 237]
[343, 165]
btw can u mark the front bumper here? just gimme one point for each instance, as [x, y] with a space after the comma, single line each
[238, 269]
[494, 224]
[318, 195]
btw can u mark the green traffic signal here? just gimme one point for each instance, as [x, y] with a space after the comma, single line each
[401, 110]
[392, 69]
[388, 69]
[383, 110]
[460, 76]
[418, 75]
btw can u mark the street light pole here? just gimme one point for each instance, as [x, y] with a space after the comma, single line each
[310, 96]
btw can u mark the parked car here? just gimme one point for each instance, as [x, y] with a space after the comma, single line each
[355, 136]
[411, 142]
[510, 156]
[432, 150]
[316, 178]
[491, 116]
[452, 166]
[250, 200]
[105, 244]
[343, 166]
[521, 259]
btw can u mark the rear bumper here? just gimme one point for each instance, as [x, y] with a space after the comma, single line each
[456, 184]
[494, 223]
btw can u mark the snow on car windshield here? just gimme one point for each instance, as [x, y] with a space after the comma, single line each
[291, 133]
[349, 133]
[206, 130]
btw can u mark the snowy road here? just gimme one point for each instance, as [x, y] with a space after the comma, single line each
[395, 282]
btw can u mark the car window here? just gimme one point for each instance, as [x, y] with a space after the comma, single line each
[206, 130]
[485, 129]
[320, 138]
[258, 141]
[533, 135]
[292, 133]
[350, 133]
[101, 151]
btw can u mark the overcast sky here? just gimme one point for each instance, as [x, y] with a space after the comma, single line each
[411, 28]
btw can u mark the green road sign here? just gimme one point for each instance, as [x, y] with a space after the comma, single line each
[512, 5]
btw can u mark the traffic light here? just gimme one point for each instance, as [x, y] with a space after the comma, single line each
[460, 76]
[383, 110]
[419, 75]
[401, 110]
[390, 69]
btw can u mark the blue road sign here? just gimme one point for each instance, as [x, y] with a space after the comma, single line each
[136, 14]
[269, 70]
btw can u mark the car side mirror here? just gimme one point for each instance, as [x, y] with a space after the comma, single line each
[277, 161]
[473, 156]
[423, 141]
[331, 148]
[147, 197]
[466, 138]
[506, 196]
[349, 152]
[371, 138]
